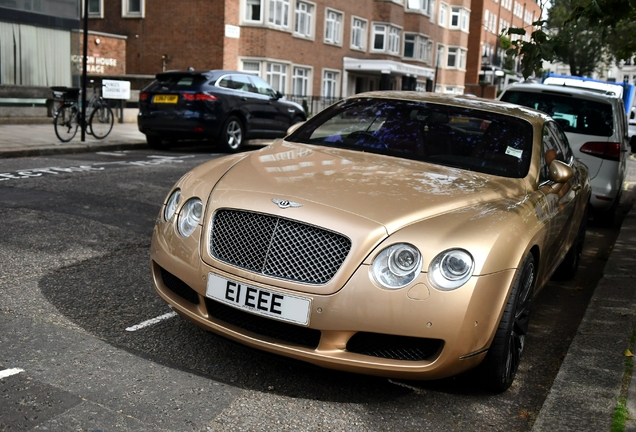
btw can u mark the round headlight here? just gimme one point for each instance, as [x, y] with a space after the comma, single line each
[397, 266]
[190, 216]
[171, 205]
[451, 269]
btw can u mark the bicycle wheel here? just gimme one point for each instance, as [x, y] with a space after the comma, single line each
[65, 122]
[101, 121]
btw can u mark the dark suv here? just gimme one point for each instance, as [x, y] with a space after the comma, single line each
[225, 106]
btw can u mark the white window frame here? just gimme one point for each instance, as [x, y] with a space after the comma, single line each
[379, 30]
[441, 52]
[247, 16]
[301, 79]
[414, 42]
[256, 71]
[126, 13]
[431, 12]
[464, 20]
[99, 13]
[421, 6]
[452, 53]
[276, 75]
[330, 83]
[455, 15]
[394, 40]
[278, 12]
[304, 15]
[443, 15]
[360, 32]
[333, 26]
[462, 59]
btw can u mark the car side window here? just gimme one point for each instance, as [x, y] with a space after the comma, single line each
[561, 141]
[237, 82]
[262, 87]
[550, 151]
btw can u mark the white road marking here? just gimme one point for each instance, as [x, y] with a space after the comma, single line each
[410, 387]
[9, 372]
[151, 321]
[114, 153]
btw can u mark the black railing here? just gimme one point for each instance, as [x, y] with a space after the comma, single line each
[313, 104]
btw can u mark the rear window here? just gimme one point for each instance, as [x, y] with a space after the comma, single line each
[572, 114]
[464, 138]
[180, 81]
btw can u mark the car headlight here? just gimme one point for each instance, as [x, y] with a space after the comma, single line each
[396, 266]
[190, 216]
[451, 269]
[171, 205]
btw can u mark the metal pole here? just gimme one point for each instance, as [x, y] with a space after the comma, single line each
[85, 54]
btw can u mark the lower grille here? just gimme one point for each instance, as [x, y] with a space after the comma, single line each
[179, 287]
[393, 347]
[282, 331]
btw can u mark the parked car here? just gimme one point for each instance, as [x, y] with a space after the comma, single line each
[399, 234]
[632, 129]
[225, 106]
[595, 126]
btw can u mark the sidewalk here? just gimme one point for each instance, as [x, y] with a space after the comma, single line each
[40, 139]
[591, 379]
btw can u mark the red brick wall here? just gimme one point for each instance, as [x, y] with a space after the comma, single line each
[108, 57]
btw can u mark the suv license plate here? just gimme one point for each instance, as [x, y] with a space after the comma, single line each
[259, 301]
[167, 99]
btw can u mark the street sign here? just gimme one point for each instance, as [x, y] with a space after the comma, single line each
[112, 89]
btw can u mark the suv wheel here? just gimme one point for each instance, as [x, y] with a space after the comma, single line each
[233, 134]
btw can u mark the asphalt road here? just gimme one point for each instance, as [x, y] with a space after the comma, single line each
[96, 349]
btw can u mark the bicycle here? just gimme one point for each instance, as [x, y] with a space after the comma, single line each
[67, 116]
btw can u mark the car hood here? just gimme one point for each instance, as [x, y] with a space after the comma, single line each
[388, 191]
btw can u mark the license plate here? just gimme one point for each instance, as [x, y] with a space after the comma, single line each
[167, 99]
[259, 301]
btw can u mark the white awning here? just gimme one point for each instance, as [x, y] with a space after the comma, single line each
[353, 65]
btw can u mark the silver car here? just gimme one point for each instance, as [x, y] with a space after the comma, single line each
[595, 125]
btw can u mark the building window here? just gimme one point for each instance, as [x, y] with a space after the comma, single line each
[304, 12]
[465, 20]
[253, 10]
[95, 9]
[132, 8]
[330, 84]
[279, 13]
[440, 55]
[415, 47]
[277, 76]
[333, 26]
[443, 8]
[359, 34]
[386, 38]
[253, 67]
[451, 61]
[409, 45]
[421, 6]
[300, 81]
[394, 40]
[454, 17]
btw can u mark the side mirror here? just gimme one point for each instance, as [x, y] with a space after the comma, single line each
[560, 172]
[277, 95]
[294, 127]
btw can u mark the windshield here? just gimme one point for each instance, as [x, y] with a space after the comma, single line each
[464, 138]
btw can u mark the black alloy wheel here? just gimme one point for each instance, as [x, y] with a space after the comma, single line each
[502, 361]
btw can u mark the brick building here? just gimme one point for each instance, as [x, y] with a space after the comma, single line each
[326, 48]
[488, 20]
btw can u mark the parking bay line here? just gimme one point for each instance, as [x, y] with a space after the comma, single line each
[9, 372]
[152, 321]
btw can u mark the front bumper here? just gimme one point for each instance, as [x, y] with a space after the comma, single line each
[435, 334]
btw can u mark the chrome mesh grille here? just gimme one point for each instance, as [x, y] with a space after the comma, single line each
[276, 246]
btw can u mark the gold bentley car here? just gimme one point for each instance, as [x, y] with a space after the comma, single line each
[398, 234]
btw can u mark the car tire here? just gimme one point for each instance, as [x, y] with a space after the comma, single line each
[500, 366]
[233, 134]
[570, 264]
[156, 143]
